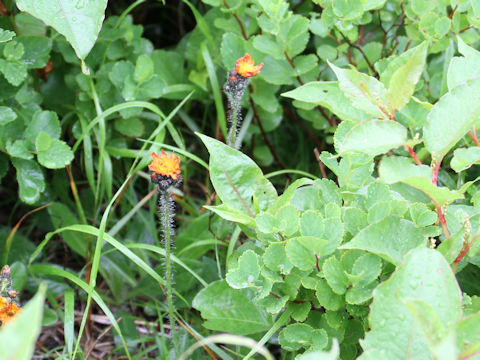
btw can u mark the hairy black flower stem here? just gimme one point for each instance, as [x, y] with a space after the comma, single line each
[167, 212]
[234, 88]
[166, 208]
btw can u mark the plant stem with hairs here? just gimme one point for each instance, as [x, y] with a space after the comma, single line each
[166, 173]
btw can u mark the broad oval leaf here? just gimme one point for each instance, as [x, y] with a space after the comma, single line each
[329, 95]
[403, 81]
[465, 158]
[365, 92]
[242, 316]
[374, 137]
[452, 117]
[31, 181]
[237, 179]
[399, 169]
[390, 238]
[79, 21]
[424, 276]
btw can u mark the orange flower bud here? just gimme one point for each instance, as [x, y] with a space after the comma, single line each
[165, 164]
[246, 68]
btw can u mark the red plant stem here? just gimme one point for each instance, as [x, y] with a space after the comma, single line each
[435, 172]
[441, 218]
[413, 154]
[463, 253]
[474, 136]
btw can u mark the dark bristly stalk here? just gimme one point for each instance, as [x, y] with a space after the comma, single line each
[235, 86]
[166, 173]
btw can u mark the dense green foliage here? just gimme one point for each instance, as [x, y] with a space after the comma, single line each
[341, 223]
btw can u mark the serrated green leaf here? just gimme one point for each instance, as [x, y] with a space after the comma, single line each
[390, 238]
[242, 316]
[421, 215]
[360, 294]
[404, 79]
[348, 9]
[20, 149]
[268, 44]
[6, 35]
[312, 224]
[286, 220]
[369, 266]
[37, 50]
[232, 49]
[14, 71]
[302, 251]
[143, 69]
[52, 153]
[295, 336]
[398, 169]
[441, 133]
[335, 276]
[132, 127]
[275, 258]
[247, 271]
[31, 181]
[46, 121]
[78, 21]
[374, 137]
[426, 276]
[6, 115]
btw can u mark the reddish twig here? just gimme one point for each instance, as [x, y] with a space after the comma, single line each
[474, 137]
[413, 154]
[435, 172]
[242, 29]
[320, 164]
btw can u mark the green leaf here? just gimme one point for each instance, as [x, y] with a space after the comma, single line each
[79, 21]
[462, 69]
[335, 276]
[13, 51]
[441, 133]
[369, 266]
[360, 294]
[267, 44]
[236, 178]
[46, 121]
[132, 127]
[286, 220]
[333, 354]
[295, 32]
[20, 149]
[426, 276]
[14, 71]
[450, 248]
[398, 169]
[365, 92]
[29, 324]
[403, 81]
[302, 251]
[31, 181]
[421, 215]
[374, 137]
[52, 153]
[327, 94]
[275, 258]
[242, 316]
[348, 9]
[232, 214]
[143, 69]
[464, 158]
[232, 49]
[468, 336]
[6, 35]
[312, 224]
[295, 336]
[6, 115]
[37, 50]
[390, 238]
[326, 297]
[247, 271]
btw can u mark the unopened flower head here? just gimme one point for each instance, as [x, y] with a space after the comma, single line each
[246, 68]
